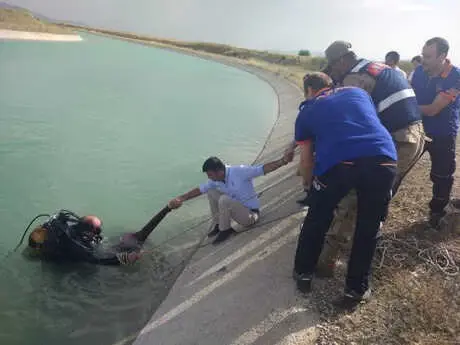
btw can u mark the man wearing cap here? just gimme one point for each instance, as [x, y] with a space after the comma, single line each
[437, 86]
[398, 111]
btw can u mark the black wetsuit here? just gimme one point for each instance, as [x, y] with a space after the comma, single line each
[69, 239]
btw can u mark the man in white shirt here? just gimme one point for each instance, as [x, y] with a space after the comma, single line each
[231, 193]
[392, 60]
[416, 61]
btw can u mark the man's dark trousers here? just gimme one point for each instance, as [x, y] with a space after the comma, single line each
[373, 179]
[442, 154]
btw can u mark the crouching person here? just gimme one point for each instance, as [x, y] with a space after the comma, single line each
[231, 194]
[353, 151]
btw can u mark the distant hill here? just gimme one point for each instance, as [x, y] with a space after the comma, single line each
[16, 18]
[40, 16]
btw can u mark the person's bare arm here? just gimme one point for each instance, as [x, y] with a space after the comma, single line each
[195, 192]
[177, 202]
[272, 166]
[440, 102]
[306, 163]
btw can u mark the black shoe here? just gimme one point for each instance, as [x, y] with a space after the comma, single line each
[223, 235]
[295, 275]
[214, 231]
[436, 220]
[303, 281]
[357, 297]
[305, 201]
[352, 299]
[455, 203]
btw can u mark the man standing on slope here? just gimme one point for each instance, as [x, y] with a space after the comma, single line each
[352, 151]
[437, 86]
[399, 113]
[231, 193]
[416, 61]
[392, 59]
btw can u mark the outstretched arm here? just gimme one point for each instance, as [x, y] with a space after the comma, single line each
[272, 166]
[177, 202]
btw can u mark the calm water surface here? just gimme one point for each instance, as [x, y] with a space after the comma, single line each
[115, 129]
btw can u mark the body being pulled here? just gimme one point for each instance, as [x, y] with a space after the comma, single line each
[67, 237]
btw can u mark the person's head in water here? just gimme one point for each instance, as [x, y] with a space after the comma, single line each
[314, 82]
[37, 238]
[93, 223]
[89, 225]
[214, 168]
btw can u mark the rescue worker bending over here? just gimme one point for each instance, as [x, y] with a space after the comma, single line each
[353, 151]
[398, 111]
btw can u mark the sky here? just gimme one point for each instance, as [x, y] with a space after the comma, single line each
[374, 27]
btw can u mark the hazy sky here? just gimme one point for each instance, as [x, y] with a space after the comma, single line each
[372, 26]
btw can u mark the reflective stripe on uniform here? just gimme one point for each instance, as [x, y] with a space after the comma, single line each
[360, 65]
[395, 97]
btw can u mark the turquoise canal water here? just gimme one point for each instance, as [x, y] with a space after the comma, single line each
[115, 129]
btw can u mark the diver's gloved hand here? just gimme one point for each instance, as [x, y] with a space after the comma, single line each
[128, 258]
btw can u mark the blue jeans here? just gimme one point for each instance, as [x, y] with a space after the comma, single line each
[373, 179]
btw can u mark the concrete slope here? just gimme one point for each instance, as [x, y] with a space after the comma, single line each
[241, 291]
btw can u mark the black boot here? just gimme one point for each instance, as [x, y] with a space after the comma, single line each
[305, 201]
[214, 231]
[223, 235]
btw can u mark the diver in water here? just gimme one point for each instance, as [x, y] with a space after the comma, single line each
[66, 237]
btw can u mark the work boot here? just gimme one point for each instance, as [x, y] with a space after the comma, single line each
[306, 200]
[214, 231]
[436, 220]
[455, 203]
[303, 281]
[223, 235]
[351, 299]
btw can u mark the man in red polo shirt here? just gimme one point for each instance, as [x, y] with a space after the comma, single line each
[437, 87]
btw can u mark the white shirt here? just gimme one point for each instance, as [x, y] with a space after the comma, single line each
[411, 74]
[400, 71]
[238, 184]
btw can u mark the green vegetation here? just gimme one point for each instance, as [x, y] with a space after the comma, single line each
[22, 20]
[305, 52]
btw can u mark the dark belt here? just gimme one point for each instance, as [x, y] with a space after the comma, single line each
[254, 210]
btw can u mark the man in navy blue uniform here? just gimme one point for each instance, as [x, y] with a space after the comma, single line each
[353, 150]
[398, 111]
[437, 87]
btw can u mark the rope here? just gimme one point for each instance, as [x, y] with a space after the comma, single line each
[207, 219]
[171, 269]
[124, 257]
[397, 252]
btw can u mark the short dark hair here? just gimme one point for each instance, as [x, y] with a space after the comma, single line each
[213, 164]
[393, 55]
[317, 81]
[442, 46]
[417, 58]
